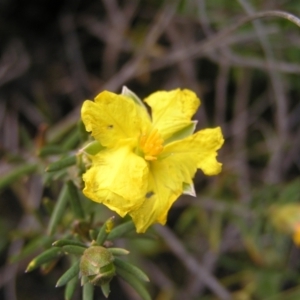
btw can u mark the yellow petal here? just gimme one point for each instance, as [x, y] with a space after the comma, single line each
[175, 168]
[113, 118]
[172, 111]
[163, 190]
[117, 179]
[199, 149]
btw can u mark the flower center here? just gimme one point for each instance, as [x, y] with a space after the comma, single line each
[151, 144]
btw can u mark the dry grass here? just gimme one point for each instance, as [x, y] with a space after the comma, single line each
[220, 245]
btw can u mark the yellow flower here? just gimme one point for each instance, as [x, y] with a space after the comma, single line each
[286, 218]
[296, 234]
[144, 163]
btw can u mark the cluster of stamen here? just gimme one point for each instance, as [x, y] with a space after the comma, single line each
[151, 144]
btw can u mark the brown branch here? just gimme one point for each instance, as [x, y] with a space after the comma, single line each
[191, 263]
[217, 40]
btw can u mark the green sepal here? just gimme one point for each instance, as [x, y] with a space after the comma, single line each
[189, 189]
[135, 283]
[69, 274]
[130, 94]
[72, 249]
[105, 289]
[96, 264]
[133, 270]
[44, 257]
[62, 163]
[92, 148]
[183, 133]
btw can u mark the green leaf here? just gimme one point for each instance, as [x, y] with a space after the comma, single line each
[103, 232]
[65, 242]
[76, 250]
[121, 230]
[31, 247]
[44, 257]
[16, 173]
[135, 283]
[133, 270]
[48, 178]
[50, 150]
[71, 140]
[69, 274]
[70, 288]
[93, 234]
[118, 251]
[59, 210]
[75, 200]
[62, 164]
[88, 291]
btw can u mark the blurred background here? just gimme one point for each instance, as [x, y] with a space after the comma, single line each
[238, 238]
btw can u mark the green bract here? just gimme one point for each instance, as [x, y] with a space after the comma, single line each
[97, 265]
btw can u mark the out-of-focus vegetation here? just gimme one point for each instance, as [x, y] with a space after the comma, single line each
[235, 239]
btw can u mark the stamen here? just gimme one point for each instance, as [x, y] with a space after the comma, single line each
[151, 144]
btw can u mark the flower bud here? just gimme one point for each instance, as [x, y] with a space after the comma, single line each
[97, 265]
